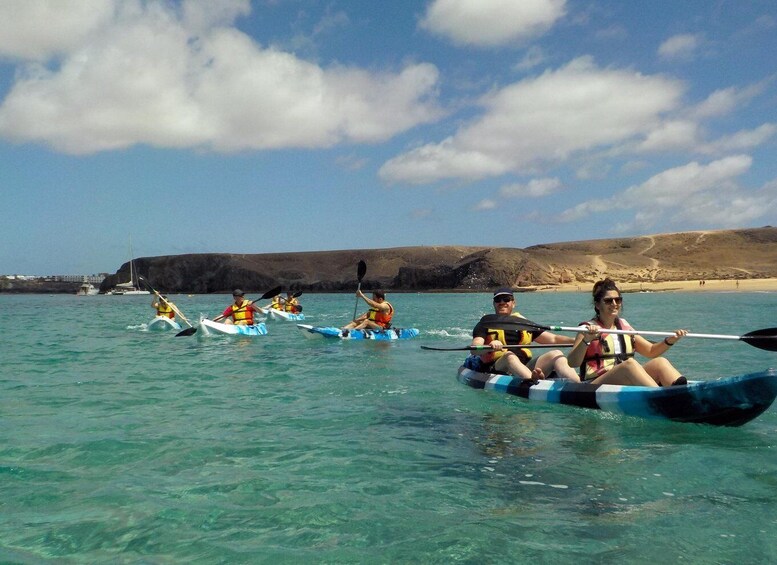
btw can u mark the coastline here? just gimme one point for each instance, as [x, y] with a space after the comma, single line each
[727, 285]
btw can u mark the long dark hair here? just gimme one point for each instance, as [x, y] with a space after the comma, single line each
[601, 288]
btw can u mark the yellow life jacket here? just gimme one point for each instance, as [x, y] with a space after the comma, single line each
[508, 338]
[163, 309]
[383, 319]
[243, 316]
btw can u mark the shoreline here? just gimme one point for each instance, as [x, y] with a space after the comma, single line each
[726, 285]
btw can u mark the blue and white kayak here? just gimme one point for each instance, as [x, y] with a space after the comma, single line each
[162, 323]
[209, 327]
[377, 335]
[730, 401]
[283, 315]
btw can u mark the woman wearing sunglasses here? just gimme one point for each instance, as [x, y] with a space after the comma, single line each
[517, 362]
[609, 358]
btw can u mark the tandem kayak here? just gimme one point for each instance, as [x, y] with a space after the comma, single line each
[377, 335]
[208, 327]
[161, 323]
[728, 401]
[283, 315]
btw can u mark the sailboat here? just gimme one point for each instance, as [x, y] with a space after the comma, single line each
[131, 286]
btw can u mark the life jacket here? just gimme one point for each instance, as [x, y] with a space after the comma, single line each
[243, 316]
[276, 303]
[163, 309]
[291, 305]
[383, 319]
[508, 338]
[600, 355]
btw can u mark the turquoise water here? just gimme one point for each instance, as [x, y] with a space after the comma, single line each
[126, 446]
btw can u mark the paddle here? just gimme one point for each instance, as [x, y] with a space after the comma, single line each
[269, 294]
[488, 347]
[361, 270]
[188, 331]
[762, 339]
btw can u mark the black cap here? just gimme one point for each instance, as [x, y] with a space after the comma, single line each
[237, 292]
[503, 291]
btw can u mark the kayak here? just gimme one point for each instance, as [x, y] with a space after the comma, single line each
[337, 333]
[161, 323]
[728, 401]
[283, 315]
[208, 327]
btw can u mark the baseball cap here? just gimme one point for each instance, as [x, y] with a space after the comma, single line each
[237, 292]
[504, 290]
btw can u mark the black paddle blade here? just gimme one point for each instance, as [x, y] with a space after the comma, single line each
[270, 293]
[762, 339]
[500, 321]
[186, 332]
[361, 270]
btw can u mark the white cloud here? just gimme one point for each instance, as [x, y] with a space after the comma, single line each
[488, 23]
[485, 205]
[154, 76]
[535, 188]
[541, 120]
[739, 141]
[672, 134]
[692, 194]
[724, 101]
[680, 47]
[39, 29]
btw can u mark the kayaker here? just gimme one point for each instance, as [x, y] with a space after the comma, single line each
[609, 358]
[518, 362]
[291, 304]
[378, 317]
[162, 307]
[241, 312]
[275, 303]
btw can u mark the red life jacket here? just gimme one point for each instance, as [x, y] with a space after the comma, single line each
[383, 319]
[600, 354]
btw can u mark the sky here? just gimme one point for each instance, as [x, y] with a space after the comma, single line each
[147, 128]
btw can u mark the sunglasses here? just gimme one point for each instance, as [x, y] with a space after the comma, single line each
[613, 300]
[499, 299]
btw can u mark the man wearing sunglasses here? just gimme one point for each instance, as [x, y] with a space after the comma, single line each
[519, 362]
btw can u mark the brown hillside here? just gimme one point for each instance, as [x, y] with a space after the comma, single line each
[727, 254]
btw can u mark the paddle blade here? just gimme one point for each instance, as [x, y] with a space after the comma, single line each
[500, 321]
[270, 293]
[186, 332]
[361, 270]
[762, 339]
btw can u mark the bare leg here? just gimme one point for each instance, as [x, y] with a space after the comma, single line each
[662, 371]
[555, 360]
[627, 373]
[510, 364]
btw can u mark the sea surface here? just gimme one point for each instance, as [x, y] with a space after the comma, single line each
[121, 445]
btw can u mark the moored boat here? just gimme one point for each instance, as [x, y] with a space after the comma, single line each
[331, 332]
[283, 315]
[163, 323]
[208, 327]
[728, 401]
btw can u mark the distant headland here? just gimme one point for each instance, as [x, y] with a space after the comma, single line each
[654, 260]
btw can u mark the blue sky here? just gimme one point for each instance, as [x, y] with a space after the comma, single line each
[304, 125]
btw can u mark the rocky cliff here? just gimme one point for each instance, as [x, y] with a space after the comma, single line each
[727, 254]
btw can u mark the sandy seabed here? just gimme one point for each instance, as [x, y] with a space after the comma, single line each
[741, 285]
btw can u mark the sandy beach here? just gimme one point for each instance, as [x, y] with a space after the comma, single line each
[741, 285]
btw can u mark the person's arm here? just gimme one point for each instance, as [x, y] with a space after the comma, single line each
[548, 338]
[576, 356]
[383, 307]
[652, 350]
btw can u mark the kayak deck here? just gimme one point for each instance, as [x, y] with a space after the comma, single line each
[208, 327]
[728, 401]
[283, 315]
[376, 335]
[161, 323]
